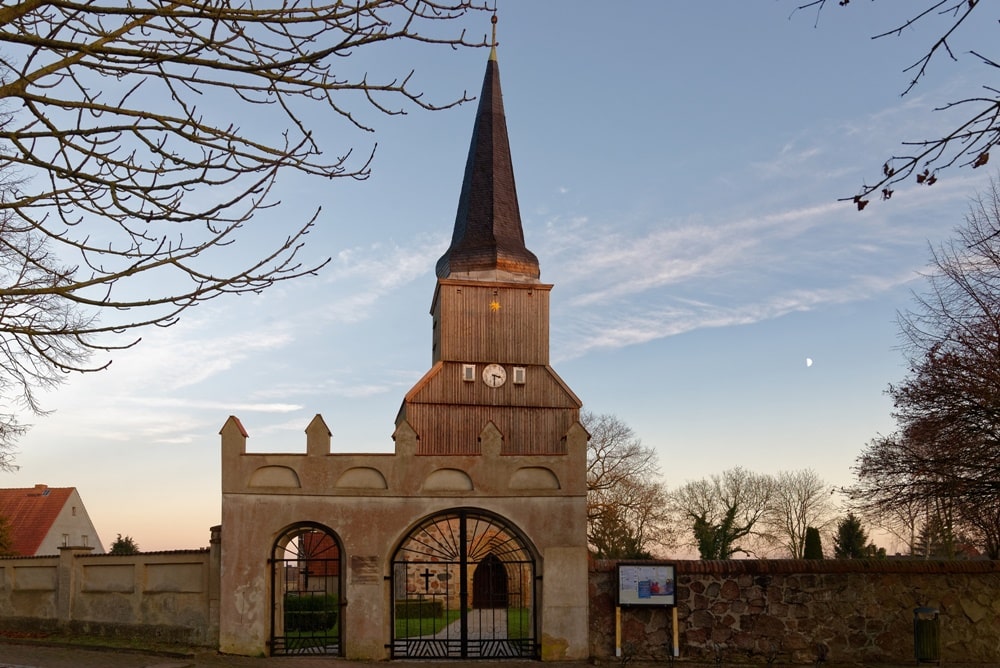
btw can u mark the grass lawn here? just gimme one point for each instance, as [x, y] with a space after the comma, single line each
[518, 624]
[409, 627]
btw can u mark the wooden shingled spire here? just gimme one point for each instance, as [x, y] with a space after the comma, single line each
[488, 241]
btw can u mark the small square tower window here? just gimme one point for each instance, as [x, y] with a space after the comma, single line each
[519, 375]
[469, 373]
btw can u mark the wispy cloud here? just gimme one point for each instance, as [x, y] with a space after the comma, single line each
[216, 407]
[634, 325]
[789, 158]
[731, 270]
[365, 275]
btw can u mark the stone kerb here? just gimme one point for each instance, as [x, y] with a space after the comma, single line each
[793, 611]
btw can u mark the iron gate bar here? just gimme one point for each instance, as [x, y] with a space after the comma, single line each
[297, 556]
[463, 539]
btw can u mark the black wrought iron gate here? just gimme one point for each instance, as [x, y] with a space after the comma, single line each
[463, 585]
[305, 592]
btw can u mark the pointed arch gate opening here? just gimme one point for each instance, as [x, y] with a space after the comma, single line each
[306, 582]
[463, 585]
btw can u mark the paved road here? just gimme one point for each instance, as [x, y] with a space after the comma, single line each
[16, 655]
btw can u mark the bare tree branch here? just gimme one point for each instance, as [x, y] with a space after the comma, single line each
[945, 453]
[801, 500]
[724, 509]
[627, 508]
[967, 145]
[131, 191]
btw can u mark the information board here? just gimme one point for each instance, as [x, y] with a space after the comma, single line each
[646, 584]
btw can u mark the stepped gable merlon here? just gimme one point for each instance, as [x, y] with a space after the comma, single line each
[488, 240]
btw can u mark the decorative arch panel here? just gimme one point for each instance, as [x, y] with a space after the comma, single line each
[463, 584]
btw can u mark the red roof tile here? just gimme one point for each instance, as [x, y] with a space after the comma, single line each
[31, 512]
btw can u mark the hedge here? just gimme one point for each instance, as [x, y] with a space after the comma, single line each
[310, 613]
[415, 608]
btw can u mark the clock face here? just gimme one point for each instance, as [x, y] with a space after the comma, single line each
[494, 375]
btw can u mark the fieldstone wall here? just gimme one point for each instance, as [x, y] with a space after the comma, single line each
[798, 611]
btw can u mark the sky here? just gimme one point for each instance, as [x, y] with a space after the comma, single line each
[678, 168]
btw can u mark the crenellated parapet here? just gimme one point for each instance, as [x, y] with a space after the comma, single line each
[319, 471]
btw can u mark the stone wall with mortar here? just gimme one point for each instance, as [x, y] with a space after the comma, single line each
[797, 611]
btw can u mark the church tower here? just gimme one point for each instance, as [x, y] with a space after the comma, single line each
[490, 312]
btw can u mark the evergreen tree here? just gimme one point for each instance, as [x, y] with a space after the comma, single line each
[6, 538]
[851, 540]
[814, 545]
[124, 546]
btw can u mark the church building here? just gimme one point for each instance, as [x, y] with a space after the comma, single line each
[469, 541]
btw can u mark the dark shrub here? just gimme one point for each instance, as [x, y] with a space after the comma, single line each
[414, 608]
[310, 613]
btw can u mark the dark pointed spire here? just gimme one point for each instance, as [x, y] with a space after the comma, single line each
[488, 241]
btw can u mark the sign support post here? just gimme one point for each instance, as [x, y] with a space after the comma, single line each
[646, 584]
[677, 634]
[618, 631]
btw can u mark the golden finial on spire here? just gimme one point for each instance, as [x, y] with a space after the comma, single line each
[493, 43]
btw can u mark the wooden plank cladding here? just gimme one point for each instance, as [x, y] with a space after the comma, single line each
[501, 322]
[449, 413]
[542, 388]
[526, 431]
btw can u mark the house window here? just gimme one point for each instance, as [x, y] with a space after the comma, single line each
[74, 511]
[469, 373]
[84, 540]
[65, 540]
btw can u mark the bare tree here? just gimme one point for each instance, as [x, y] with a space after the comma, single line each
[630, 521]
[946, 450]
[902, 521]
[626, 500]
[130, 183]
[970, 142]
[725, 509]
[801, 500]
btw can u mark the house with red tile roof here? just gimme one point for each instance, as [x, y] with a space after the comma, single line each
[43, 519]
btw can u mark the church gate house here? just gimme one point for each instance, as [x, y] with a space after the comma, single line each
[468, 541]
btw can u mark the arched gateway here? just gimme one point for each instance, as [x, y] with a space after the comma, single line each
[306, 592]
[463, 584]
